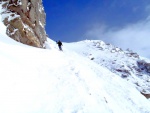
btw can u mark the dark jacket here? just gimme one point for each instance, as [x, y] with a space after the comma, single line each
[59, 43]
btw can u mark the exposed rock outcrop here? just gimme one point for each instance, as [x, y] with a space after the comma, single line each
[143, 65]
[146, 95]
[25, 21]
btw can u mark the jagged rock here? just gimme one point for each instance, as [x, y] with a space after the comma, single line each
[25, 21]
[135, 55]
[92, 58]
[124, 75]
[143, 65]
[116, 49]
[147, 67]
[100, 45]
[137, 84]
[146, 95]
[130, 53]
[123, 70]
[139, 74]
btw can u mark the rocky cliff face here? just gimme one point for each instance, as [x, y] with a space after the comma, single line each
[25, 21]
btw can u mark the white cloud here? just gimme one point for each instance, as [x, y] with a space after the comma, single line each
[134, 36]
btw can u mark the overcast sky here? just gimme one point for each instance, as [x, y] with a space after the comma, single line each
[124, 23]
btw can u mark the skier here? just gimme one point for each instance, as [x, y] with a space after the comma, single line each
[59, 45]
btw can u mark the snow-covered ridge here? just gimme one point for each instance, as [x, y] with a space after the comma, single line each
[127, 64]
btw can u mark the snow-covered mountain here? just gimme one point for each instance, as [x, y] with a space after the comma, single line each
[127, 64]
[86, 77]
[34, 80]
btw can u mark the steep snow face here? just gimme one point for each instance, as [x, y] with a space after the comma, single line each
[122, 63]
[35, 80]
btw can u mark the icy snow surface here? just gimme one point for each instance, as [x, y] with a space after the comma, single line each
[36, 80]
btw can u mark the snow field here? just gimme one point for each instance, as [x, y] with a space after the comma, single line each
[36, 80]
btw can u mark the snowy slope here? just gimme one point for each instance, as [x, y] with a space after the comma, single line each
[35, 80]
[122, 63]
